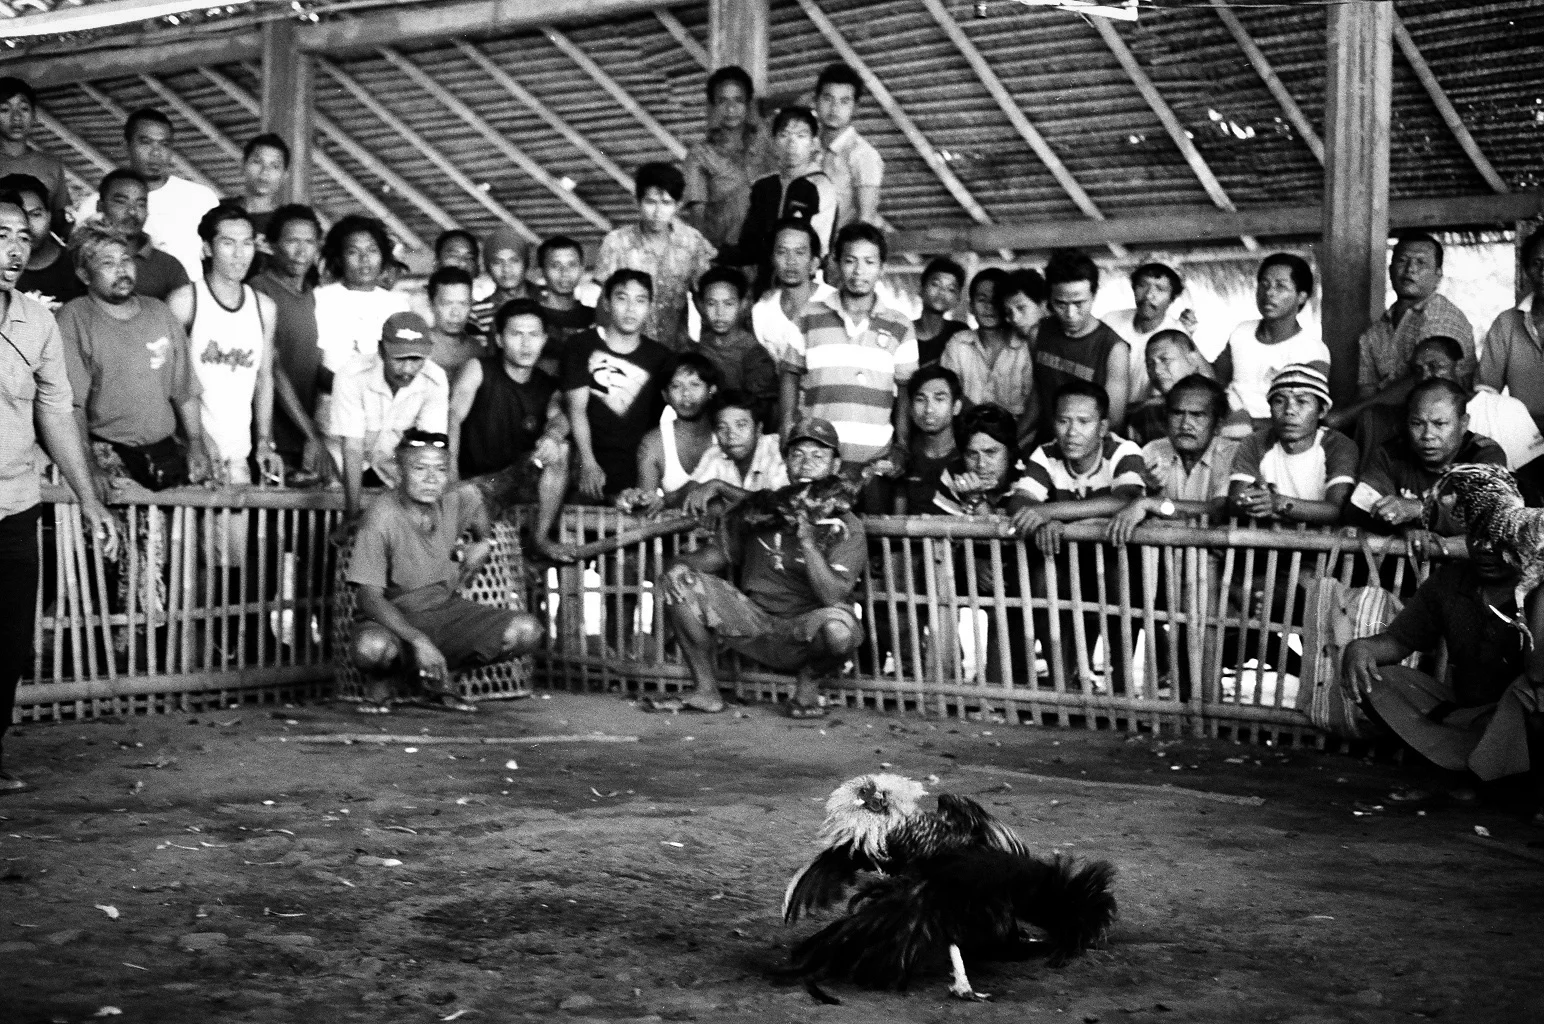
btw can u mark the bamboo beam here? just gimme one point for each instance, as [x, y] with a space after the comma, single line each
[70, 138]
[1204, 223]
[494, 138]
[546, 113]
[1445, 108]
[1295, 116]
[1357, 111]
[683, 35]
[192, 115]
[1010, 108]
[903, 121]
[346, 181]
[422, 145]
[181, 163]
[614, 89]
[1165, 113]
[738, 33]
[289, 101]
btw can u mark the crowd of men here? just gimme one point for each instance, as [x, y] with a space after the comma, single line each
[734, 337]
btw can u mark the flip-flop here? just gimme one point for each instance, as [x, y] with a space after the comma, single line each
[449, 702]
[807, 710]
[372, 709]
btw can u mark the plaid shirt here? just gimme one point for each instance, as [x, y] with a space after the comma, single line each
[1386, 349]
[33, 378]
[675, 269]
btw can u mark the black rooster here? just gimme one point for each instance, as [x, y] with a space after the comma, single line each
[950, 880]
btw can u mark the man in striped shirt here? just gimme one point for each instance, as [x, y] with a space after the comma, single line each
[852, 356]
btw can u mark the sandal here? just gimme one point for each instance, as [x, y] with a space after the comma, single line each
[449, 702]
[372, 709]
[798, 711]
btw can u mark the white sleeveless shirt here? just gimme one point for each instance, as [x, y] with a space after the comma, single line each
[676, 476]
[227, 348]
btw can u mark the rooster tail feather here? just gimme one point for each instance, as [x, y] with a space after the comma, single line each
[1074, 905]
[880, 943]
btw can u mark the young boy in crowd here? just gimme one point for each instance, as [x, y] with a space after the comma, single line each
[996, 363]
[743, 364]
[799, 189]
[506, 257]
[671, 451]
[673, 254]
[1296, 470]
[741, 460]
[613, 380]
[561, 260]
[1074, 345]
[936, 404]
[942, 281]
[854, 166]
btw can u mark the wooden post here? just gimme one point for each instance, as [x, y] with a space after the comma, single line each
[289, 95]
[737, 34]
[1358, 91]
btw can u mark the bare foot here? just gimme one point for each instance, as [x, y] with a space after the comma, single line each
[553, 551]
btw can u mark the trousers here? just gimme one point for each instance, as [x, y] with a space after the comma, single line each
[18, 605]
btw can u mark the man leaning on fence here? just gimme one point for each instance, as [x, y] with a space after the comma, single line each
[35, 408]
[404, 564]
[793, 607]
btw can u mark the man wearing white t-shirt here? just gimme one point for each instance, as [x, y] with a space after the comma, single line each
[1295, 470]
[176, 204]
[1257, 350]
[1156, 287]
[795, 262]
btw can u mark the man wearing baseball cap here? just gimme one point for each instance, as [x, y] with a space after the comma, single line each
[376, 402]
[793, 609]
[1296, 470]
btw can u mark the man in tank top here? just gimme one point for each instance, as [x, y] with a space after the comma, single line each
[670, 453]
[1073, 345]
[230, 333]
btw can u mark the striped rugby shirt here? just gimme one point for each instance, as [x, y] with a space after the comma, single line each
[1120, 471]
[852, 371]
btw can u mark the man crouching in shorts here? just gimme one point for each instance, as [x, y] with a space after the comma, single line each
[793, 609]
[406, 576]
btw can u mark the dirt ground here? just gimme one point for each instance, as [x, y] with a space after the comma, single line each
[194, 868]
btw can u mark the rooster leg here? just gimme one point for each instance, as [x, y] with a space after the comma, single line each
[961, 988]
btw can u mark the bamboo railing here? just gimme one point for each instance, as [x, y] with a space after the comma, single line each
[224, 596]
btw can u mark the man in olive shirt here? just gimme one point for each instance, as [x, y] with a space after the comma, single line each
[35, 408]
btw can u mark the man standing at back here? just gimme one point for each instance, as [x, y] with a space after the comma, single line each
[1418, 313]
[176, 204]
[123, 200]
[18, 113]
[853, 165]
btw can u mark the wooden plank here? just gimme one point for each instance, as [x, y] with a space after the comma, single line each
[1257, 60]
[1203, 223]
[71, 138]
[362, 195]
[1357, 110]
[738, 33]
[289, 101]
[193, 116]
[1166, 115]
[1445, 108]
[494, 138]
[1010, 108]
[547, 114]
[683, 35]
[428, 151]
[179, 162]
[614, 89]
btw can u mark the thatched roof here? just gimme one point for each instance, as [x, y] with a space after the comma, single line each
[1066, 79]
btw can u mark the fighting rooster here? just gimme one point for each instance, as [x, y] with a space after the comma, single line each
[1485, 502]
[954, 879]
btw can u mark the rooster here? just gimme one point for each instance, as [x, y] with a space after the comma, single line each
[1485, 502]
[951, 879]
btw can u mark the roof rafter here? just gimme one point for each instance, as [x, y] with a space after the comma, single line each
[429, 152]
[599, 76]
[70, 138]
[1171, 123]
[1273, 82]
[1445, 108]
[181, 163]
[347, 181]
[546, 113]
[477, 123]
[683, 35]
[1010, 108]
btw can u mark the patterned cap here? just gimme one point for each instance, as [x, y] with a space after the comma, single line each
[815, 429]
[406, 334]
[1302, 377]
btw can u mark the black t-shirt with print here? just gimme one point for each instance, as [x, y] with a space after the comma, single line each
[626, 398]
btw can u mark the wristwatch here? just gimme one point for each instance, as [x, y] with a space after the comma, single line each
[1167, 508]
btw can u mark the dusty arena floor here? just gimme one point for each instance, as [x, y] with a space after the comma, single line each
[193, 868]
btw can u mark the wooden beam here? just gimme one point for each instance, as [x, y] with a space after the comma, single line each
[683, 35]
[164, 52]
[1295, 116]
[428, 151]
[738, 34]
[613, 88]
[1010, 108]
[289, 101]
[179, 162]
[193, 116]
[1357, 108]
[1168, 224]
[1445, 108]
[346, 181]
[1165, 113]
[70, 138]
[541, 110]
[494, 138]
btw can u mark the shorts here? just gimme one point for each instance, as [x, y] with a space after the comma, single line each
[737, 622]
[465, 632]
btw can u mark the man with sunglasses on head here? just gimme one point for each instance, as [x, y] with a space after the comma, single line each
[407, 574]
